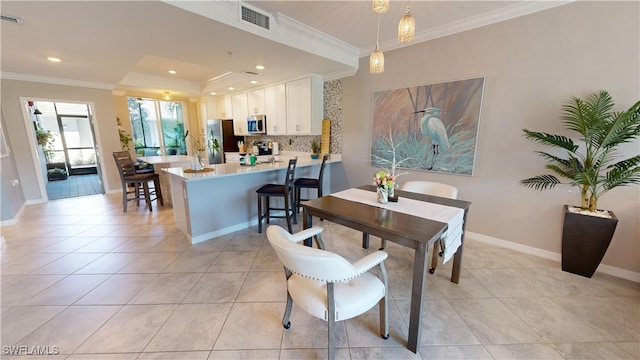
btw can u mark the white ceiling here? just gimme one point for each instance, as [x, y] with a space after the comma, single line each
[128, 46]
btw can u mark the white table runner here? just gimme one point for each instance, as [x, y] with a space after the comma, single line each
[453, 216]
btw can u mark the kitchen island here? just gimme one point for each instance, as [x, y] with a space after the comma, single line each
[215, 203]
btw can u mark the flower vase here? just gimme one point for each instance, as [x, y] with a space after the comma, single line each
[383, 195]
[197, 162]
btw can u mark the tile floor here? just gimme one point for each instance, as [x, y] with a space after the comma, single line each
[74, 186]
[84, 280]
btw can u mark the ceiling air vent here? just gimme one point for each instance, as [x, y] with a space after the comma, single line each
[11, 19]
[250, 73]
[255, 17]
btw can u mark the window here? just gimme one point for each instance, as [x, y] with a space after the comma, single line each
[158, 126]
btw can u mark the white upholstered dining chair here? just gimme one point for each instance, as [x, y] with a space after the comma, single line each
[435, 189]
[325, 284]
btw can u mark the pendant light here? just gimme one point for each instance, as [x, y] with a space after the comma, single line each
[407, 27]
[376, 60]
[380, 6]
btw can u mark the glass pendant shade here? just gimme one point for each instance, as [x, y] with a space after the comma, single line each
[407, 27]
[380, 6]
[376, 62]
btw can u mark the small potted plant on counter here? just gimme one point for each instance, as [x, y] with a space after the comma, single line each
[592, 166]
[315, 149]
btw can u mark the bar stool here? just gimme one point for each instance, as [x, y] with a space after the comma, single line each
[281, 190]
[139, 182]
[309, 183]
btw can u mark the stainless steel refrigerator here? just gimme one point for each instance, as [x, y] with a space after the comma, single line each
[220, 138]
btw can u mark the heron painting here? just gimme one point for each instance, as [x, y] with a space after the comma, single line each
[428, 127]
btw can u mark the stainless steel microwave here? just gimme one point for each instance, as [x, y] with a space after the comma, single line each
[257, 124]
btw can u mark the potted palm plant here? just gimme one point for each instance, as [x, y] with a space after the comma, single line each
[592, 165]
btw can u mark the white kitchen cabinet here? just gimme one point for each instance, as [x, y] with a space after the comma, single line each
[207, 108]
[256, 102]
[240, 113]
[305, 106]
[275, 102]
[224, 108]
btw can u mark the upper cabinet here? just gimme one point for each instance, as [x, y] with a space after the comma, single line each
[275, 101]
[224, 108]
[304, 106]
[256, 102]
[240, 113]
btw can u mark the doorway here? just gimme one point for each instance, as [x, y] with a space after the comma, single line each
[70, 155]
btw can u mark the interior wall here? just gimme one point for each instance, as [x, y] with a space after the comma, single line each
[12, 197]
[532, 65]
[104, 125]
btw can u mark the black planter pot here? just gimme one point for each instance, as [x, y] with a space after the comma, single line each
[585, 240]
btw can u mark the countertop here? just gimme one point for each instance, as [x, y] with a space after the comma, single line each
[231, 169]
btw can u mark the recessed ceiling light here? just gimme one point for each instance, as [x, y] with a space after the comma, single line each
[172, 72]
[254, 82]
[212, 93]
[231, 88]
[54, 59]
[259, 67]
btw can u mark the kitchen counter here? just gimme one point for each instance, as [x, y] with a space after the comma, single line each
[215, 203]
[168, 161]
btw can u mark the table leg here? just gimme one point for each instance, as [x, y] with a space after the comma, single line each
[365, 240]
[307, 222]
[417, 291]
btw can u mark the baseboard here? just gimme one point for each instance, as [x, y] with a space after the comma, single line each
[221, 232]
[605, 269]
[15, 218]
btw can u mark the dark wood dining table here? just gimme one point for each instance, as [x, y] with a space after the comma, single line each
[416, 232]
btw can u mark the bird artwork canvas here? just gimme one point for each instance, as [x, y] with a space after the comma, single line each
[428, 127]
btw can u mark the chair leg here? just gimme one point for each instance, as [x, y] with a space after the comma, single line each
[287, 312]
[259, 214]
[156, 184]
[147, 195]
[331, 321]
[384, 305]
[383, 244]
[434, 257]
[294, 211]
[288, 213]
[297, 201]
[124, 198]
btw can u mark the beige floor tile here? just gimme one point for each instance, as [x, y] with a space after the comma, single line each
[74, 230]
[67, 264]
[130, 356]
[509, 282]
[262, 318]
[364, 330]
[233, 261]
[190, 327]
[149, 263]
[523, 351]
[493, 323]
[246, 354]
[263, 286]
[167, 289]
[67, 291]
[109, 263]
[216, 244]
[17, 322]
[604, 351]
[137, 243]
[129, 330]
[468, 352]
[631, 347]
[395, 352]
[192, 261]
[245, 243]
[216, 288]
[558, 325]
[266, 261]
[441, 324]
[70, 244]
[23, 289]
[119, 289]
[172, 244]
[309, 332]
[174, 355]
[29, 263]
[468, 286]
[298, 354]
[103, 245]
[70, 328]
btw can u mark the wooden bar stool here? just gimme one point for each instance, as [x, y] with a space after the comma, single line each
[280, 190]
[139, 182]
[309, 183]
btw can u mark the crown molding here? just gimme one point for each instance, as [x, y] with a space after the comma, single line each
[54, 81]
[474, 22]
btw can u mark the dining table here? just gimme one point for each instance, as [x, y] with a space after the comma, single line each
[409, 222]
